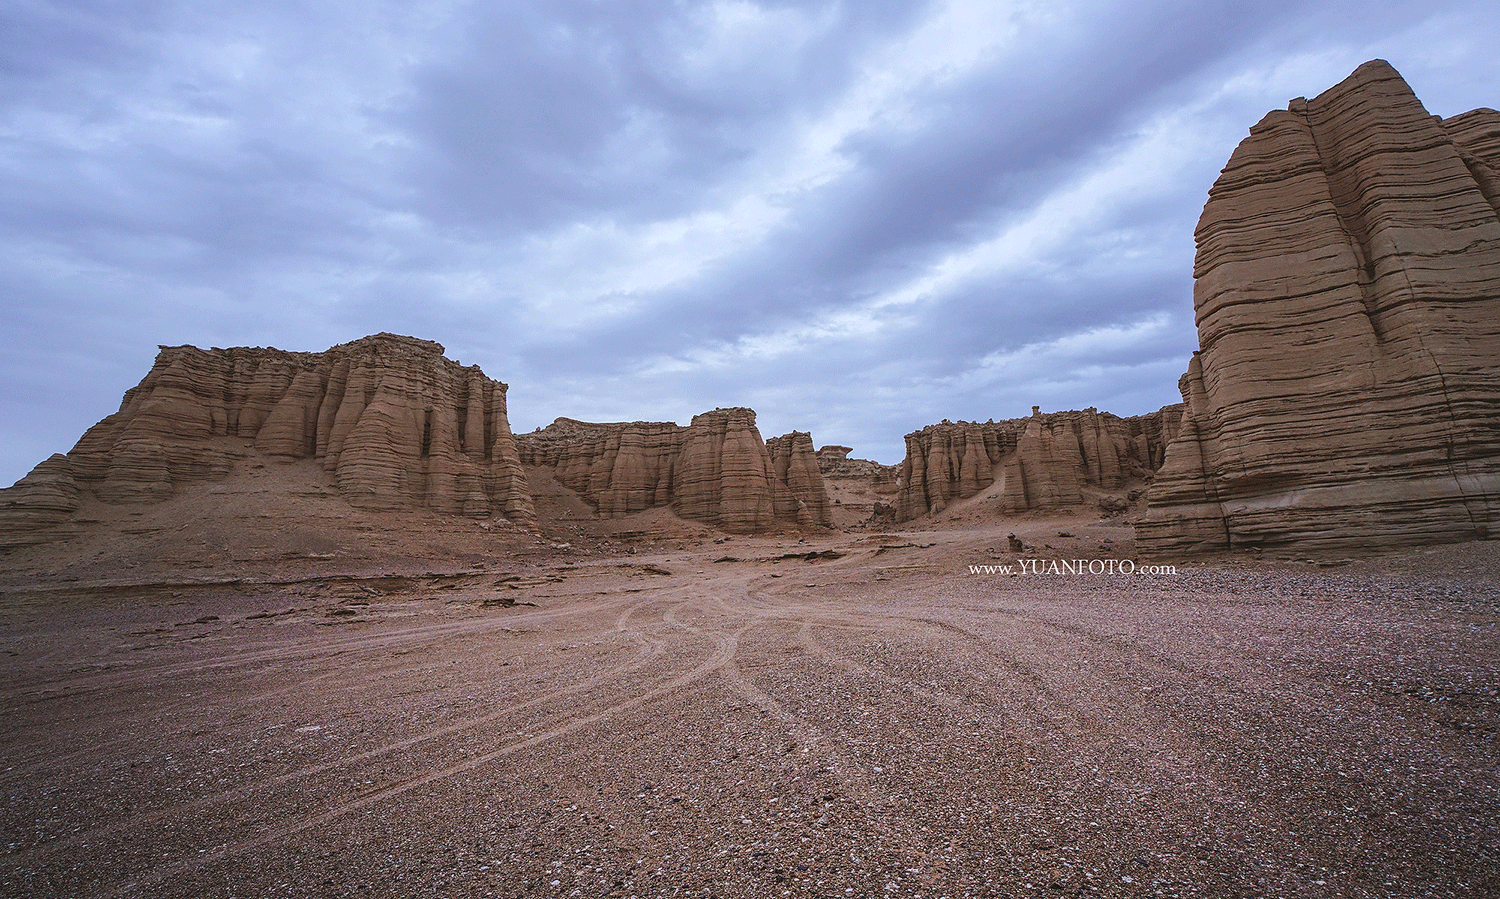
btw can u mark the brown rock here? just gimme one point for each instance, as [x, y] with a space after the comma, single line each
[724, 475]
[1348, 307]
[835, 465]
[800, 493]
[716, 470]
[40, 506]
[394, 422]
[861, 492]
[1043, 461]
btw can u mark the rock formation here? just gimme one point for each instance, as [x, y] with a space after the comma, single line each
[862, 490]
[716, 470]
[834, 464]
[40, 507]
[1042, 462]
[1346, 393]
[393, 422]
[795, 466]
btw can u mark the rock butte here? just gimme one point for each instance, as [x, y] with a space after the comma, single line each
[1041, 462]
[716, 470]
[391, 420]
[1347, 295]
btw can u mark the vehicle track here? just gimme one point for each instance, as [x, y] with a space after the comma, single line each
[724, 650]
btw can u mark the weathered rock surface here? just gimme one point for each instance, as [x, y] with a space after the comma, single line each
[795, 466]
[1347, 389]
[1042, 462]
[40, 507]
[862, 491]
[716, 470]
[394, 422]
[834, 464]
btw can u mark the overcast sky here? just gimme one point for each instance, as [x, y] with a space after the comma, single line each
[857, 218]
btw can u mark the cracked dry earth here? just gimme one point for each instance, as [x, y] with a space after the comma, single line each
[880, 724]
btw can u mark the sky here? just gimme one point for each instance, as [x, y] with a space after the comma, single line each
[857, 218]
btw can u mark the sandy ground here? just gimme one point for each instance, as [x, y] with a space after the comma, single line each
[738, 719]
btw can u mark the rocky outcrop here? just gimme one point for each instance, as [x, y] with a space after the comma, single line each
[394, 423]
[716, 470]
[862, 491]
[40, 507]
[795, 465]
[1346, 393]
[1041, 462]
[834, 464]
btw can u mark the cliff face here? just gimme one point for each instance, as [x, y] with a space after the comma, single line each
[716, 470]
[834, 464]
[1043, 461]
[394, 422]
[795, 466]
[1348, 306]
[40, 507]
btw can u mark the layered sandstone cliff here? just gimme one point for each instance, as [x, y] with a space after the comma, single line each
[394, 422]
[1347, 389]
[1041, 462]
[716, 470]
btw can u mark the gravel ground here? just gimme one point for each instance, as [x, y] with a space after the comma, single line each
[684, 723]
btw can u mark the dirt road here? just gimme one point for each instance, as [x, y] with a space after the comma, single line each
[735, 720]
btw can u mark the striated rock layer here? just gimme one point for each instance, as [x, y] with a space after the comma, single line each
[1041, 462]
[716, 470]
[41, 506]
[834, 464]
[392, 420]
[1346, 393]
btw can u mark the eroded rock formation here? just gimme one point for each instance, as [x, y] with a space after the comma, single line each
[40, 507]
[716, 470]
[834, 464]
[394, 422]
[862, 491]
[795, 466]
[1347, 389]
[1041, 462]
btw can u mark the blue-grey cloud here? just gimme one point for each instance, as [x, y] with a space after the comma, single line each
[857, 218]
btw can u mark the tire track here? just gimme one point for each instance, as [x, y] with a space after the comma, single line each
[309, 647]
[725, 648]
[29, 764]
[650, 649]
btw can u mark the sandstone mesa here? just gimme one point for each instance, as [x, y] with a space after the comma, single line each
[393, 422]
[1042, 462]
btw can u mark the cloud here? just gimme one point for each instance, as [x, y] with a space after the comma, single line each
[858, 218]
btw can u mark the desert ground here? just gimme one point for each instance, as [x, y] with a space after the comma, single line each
[680, 713]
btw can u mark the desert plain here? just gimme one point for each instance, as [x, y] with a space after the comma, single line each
[368, 705]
